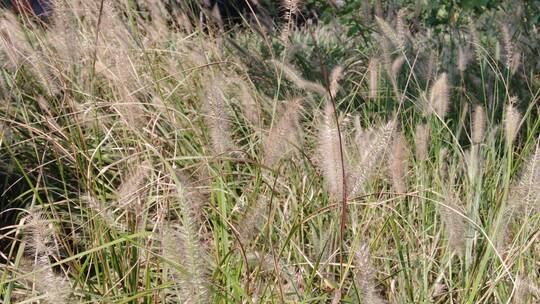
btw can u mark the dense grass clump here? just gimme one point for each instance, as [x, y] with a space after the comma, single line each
[150, 157]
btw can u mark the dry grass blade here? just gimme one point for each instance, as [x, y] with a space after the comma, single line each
[295, 77]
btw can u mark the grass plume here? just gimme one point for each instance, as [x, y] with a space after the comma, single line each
[439, 97]
[512, 121]
[329, 154]
[216, 111]
[376, 148]
[285, 133]
[398, 165]
[365, 276]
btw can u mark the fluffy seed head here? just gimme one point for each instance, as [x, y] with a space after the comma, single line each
[15, 47]
[183, 21]
[216, 15]
[397, 64]
[526, 191]
[525, 288]
[365, 276]
[478, 125]
[421, 140]
[373, 70]
[216, 111]
[398, 162]
[464, 57]
[514, 63]
[512, 57]
[401, 29]
[389, 32]
[479, 122]
[329, 154]
[375, 151]
[253, 219]
[132, 187]
[439, 96]
[362, 138]
[105, 214]
[497, 51]
[512, 120]
[181, 244]
[294, 76]
[291, 8]
[476, 42]
[53, 286]
[454, 223]
[39, 234]
[431, 65]
[182, 247]
[285, 134]
[335, 76]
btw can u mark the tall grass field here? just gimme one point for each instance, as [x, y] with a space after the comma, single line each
[299, 152]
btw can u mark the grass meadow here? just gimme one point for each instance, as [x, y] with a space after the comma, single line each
[150, 155]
